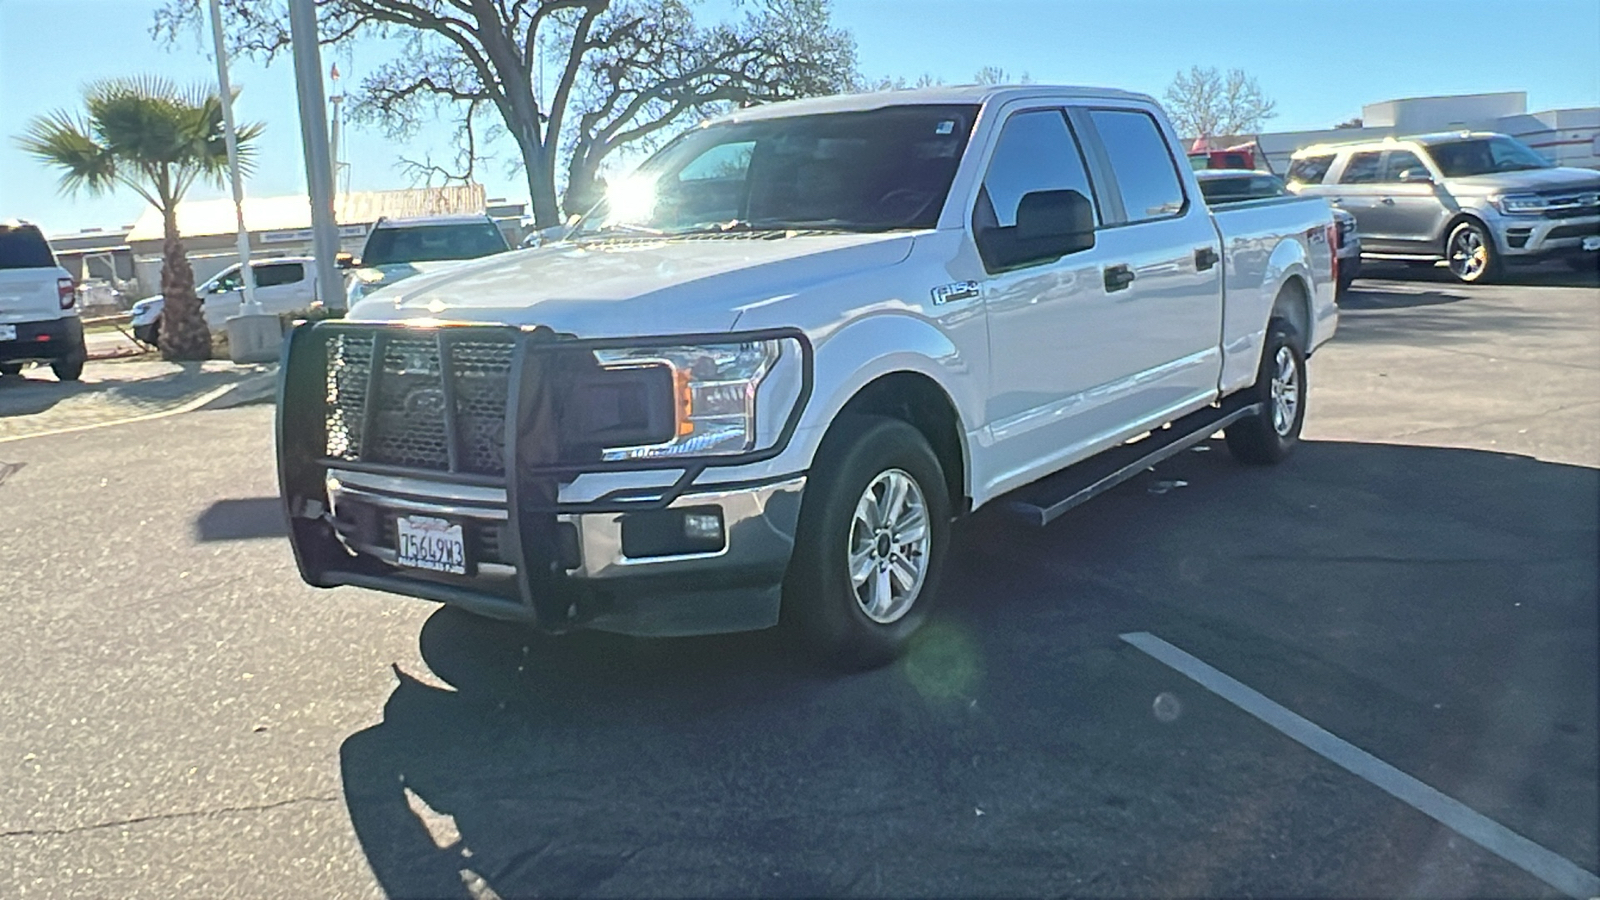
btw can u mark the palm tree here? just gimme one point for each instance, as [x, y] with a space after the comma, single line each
[149, 135]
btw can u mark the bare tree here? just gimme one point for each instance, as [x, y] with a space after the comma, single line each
[1204, 102]
[999, 75]
[623, 69]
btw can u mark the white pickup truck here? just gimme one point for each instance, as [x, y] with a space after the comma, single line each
[757, 383]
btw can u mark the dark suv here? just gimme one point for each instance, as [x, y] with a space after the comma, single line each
[38, 306]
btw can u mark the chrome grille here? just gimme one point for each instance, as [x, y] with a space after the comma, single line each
[399, 415]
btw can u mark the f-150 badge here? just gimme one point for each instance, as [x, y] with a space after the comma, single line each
[956, 290]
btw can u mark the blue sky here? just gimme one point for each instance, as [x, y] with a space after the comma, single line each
[1320, 60]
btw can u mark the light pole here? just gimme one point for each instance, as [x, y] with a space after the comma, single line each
[314, 139]
[250, 306]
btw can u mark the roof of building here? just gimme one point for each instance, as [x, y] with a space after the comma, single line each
[929, 96]
[197, 218]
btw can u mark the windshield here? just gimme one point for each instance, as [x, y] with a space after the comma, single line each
[23, 247]
[1481, 156]
[429, 243]
[1236, 188]
[857, 171]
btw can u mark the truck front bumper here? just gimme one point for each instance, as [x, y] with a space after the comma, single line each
[1530, 237]
[626, 562]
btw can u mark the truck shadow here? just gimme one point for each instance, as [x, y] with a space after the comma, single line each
[1017, 736]
[244, 519]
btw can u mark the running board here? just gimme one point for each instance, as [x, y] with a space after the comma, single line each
[1044, 500]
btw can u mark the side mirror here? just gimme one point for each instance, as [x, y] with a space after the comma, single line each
[1415, 176]
[1050, 225]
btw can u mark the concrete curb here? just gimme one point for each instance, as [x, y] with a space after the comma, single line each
[262, 388]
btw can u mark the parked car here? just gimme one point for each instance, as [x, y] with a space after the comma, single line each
[760, 379]
[397, 249]
[1222, 187]
[38, 306]
[283, 284]
[1475, 200]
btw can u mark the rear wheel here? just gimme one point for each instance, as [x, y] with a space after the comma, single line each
[70, 368]
[1280, 388]
[1470, 253]
[871, 542]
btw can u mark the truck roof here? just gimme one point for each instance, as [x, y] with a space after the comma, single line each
[978, 94]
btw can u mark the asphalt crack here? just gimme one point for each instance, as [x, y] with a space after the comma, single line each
[163, 817]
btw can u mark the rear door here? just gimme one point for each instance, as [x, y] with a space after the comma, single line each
[282, 286]
[1162, 269]
[1358, 193]
[30, 280]
[1408, 214]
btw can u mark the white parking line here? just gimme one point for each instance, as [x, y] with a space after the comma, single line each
[1549, 867]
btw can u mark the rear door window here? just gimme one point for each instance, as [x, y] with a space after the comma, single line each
[1363, 168]
[1310, 169]
[274, 274]
[1398, 162]
[1147, 177]
[24, 248]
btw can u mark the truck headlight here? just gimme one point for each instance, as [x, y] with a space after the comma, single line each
[714, 395]
[1521, 204]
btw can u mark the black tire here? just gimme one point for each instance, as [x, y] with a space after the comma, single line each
[148, 334]
[1470, 254]
[1345, 280]
[1265, 440]
[70, 368]
[10, 369]
[820, 600]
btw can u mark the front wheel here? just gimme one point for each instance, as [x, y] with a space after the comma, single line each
[873, 533]
[1470, 253]
[1280, 388]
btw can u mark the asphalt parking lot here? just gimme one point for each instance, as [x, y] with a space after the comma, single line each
[1420, 580]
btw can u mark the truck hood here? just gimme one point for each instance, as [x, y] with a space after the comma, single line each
[635, 286]
[1561, 178]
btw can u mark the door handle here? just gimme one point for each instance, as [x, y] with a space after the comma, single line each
[1335, 201]
[1205, 258]
[1387, 201]
[1118, 278]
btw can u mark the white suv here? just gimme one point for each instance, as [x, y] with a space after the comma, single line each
[38, 306]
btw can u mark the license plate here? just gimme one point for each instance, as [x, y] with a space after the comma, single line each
[8, 332]
[425, 542]
[1592, 242]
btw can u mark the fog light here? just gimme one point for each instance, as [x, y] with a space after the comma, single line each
[702, 527]
[672, 532]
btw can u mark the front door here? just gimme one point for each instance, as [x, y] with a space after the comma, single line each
[1048, 322]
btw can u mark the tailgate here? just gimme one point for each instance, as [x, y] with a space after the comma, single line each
[29, 295]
